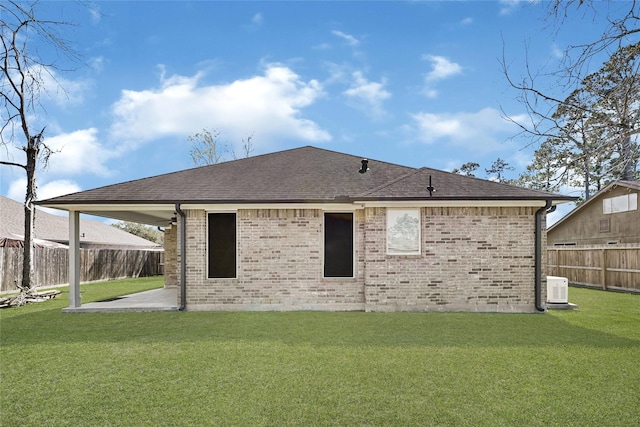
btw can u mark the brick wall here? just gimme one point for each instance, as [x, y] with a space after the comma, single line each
[171, 256]
[473, 259]
[280, 265]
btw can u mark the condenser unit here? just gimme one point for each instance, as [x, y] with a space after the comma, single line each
[557, 290]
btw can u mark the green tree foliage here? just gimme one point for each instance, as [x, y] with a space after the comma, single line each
[497, 169]
[467, 169]
[140, 230]
[593, 139]
[591, 136]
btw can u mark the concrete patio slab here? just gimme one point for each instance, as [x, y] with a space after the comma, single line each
[163, 299]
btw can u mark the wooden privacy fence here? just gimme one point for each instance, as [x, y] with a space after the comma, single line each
[52, 265]
[605, 267]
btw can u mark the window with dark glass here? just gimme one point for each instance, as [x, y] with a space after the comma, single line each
[338, 244]
[222, 245]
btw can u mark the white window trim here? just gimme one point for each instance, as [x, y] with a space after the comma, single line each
[631, 203]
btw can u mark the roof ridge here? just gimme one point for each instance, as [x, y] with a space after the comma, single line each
[393, 181]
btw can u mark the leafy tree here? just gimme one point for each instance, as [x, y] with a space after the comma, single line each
[467, 169]
[140, 230]
[30, 47]
[498, 167]
[592, 135]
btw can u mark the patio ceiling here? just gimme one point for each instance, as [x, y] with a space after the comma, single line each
[157, 215]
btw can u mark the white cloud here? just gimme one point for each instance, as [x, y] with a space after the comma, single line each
[508, 6]
[96, 63]
[483, 131]
[77, 152]
[257, 19]
[57, 188]
[556, 52]
[441, 68]
[351, 40]
[45, 190]
[467, 21]
[367, 96]
[94, 13]
[268, 105]
[60, 90]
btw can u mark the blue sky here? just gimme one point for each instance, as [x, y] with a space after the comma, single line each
[414, 83]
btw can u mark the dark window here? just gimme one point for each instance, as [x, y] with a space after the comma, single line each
[222, 245]
[338, 244]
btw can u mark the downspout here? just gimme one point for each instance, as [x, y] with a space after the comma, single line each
[183, 258]
[538, 254]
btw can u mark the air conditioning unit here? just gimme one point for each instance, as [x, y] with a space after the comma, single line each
[557, 290]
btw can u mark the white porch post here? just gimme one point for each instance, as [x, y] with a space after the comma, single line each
[74, 259]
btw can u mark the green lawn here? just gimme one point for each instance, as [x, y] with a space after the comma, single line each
[564, 368]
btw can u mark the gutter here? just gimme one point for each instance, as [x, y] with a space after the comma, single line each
[538, 254]
[183, 258]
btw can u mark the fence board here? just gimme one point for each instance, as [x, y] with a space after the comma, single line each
[603, 267]
[52, 265]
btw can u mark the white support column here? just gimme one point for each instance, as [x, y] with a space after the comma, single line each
[74, 259]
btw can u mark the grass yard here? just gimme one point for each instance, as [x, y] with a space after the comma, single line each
[564, 368]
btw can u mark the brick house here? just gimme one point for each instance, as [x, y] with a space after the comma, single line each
[312, 229]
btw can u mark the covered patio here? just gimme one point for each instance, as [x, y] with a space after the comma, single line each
[162, 299]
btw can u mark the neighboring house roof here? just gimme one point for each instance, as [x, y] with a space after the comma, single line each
[301, 175]
[633, 185]
[56, 228]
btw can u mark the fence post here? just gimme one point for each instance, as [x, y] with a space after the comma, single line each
[603, 276]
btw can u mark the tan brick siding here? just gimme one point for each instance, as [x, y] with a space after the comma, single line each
[171, 256]
[280, 256]
[472, 259]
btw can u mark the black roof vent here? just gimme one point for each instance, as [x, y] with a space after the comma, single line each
[365, 166]
[430, 188]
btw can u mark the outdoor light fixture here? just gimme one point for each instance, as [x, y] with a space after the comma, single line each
[365, 166]
[174, 220]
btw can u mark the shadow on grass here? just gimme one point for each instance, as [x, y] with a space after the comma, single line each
[317, 329]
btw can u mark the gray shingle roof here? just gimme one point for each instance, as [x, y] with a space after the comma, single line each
[305, 174]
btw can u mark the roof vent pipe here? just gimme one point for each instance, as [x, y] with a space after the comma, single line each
[365, 166]
[430, 188]
[183, 257]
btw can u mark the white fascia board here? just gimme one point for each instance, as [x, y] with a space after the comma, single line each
[228, 207]
[455, 203]
[86, 208]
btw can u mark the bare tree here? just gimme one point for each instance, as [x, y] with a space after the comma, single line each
[23, 71]
[208, 148]
[593, 128]
[622, 25]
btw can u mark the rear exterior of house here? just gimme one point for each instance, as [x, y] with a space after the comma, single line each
[468, 259]
[312, 229]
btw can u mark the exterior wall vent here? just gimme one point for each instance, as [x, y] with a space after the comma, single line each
[557, 290]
